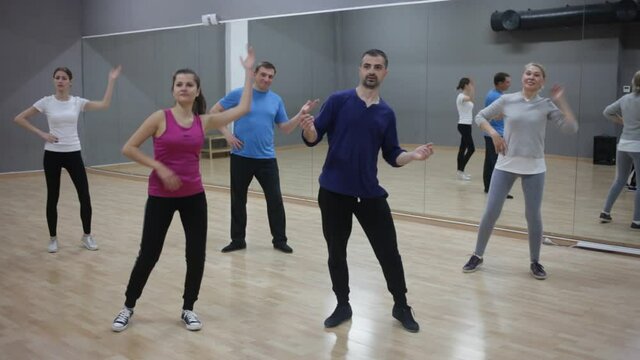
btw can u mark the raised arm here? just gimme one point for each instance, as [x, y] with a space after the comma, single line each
[108, 93]
[289, 126]
[131, 149]
[23, 120]
[557, 96]
[217, 120]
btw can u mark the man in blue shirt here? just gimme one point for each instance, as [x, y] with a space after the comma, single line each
[359, 124]
[253, 155]
[501, 82]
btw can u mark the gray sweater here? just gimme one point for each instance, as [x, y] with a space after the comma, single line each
[628, 107]
[525, 123]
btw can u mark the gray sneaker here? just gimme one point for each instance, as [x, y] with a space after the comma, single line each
[122, 319]
[191, 320]
[89, 242]
[537, 271]
[53, 245]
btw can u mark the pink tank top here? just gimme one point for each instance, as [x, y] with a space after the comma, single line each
[178, 148]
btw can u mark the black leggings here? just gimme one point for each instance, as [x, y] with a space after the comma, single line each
[157, 218]
[72, 162]
[375, 218]
[490, 158]
[466, 146]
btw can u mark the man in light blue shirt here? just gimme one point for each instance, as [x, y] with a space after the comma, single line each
[253, 155]
[501, 82]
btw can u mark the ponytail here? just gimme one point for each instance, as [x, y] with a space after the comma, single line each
[200, 105]
[462, 83]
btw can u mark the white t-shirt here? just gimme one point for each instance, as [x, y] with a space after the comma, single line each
[465, 110]
[63, 121]
[629, 145]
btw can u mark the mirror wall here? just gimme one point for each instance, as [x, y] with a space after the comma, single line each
[430, 47]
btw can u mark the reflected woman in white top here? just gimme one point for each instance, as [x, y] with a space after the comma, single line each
[62, 147]
[464, 103]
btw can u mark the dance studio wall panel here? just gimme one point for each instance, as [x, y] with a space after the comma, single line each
[36, 37]
[149, 60]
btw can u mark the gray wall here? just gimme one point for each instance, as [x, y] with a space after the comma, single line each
[303, 49]
[431, 46]
[149, 60]
[106, 17]
[36, 37]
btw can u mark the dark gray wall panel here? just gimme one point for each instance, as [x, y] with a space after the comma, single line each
[149, 61]
[303, 50]
[405, 87]
[36, 38]
[106, 17]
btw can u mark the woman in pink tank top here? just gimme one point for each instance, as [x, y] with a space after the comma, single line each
[175, 184]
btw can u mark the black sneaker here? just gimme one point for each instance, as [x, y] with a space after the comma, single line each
[404, 314]
[234, 245]
[635, 226]
[605, 218]
[341, 314]
[282, 246]
[472, 265]
[537, 271]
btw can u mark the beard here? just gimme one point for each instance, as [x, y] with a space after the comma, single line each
[370, 82]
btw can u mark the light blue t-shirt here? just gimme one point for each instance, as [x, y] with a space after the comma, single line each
[255, 129]
[497, 124]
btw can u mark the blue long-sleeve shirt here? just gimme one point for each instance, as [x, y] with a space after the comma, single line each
[356, 134]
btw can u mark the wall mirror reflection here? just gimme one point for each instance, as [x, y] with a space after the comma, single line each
[431, 47]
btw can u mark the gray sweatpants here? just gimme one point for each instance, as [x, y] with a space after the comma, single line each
[501, 183]
[624, 159]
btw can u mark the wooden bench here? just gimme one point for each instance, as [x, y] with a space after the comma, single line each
[216, 145]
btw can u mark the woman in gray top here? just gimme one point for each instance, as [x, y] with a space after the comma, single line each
[521, 155]
[625, 111]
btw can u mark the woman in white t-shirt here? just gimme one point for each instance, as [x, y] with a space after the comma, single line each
[464, 103]
[62, 147]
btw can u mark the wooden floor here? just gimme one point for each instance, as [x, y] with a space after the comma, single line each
[575, 191]
[262, 304]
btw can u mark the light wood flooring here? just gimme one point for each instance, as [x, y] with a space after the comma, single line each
[575, 191]
[262, 304]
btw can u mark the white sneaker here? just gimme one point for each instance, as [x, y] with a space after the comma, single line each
[191, 320]
[53, 245]
[89, 242]
[122, 320]
[463, 176]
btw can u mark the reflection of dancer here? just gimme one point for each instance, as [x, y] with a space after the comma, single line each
[464, 103]
[254, 155]
[521, 156]
[175, 184]
[625, 111]
[501, 82]
[359, 124]
[62, 147]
